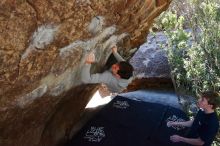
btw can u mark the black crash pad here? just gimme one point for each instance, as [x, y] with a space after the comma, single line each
[126, 122]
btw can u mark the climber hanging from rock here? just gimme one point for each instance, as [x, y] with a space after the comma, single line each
[116, 78]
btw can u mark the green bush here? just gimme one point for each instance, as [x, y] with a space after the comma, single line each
[194, 55]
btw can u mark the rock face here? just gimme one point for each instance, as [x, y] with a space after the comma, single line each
[151, 66]
[151, 59]
[43, 47]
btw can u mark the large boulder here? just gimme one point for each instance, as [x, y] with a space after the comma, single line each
[43, 47]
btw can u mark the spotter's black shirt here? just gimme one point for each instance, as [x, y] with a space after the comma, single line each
[204, 126]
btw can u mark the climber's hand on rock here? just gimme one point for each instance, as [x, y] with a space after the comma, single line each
[114, 49]
[90, 58]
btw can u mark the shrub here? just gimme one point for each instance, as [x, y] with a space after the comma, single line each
[194, 48]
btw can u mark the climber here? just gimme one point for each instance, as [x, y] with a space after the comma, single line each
[116, 78]
[204, 127]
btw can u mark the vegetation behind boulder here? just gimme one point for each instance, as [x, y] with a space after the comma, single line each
[194, 46]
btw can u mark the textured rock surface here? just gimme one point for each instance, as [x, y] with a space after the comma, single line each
[43, 46]
[151, 65]
[151, 60]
